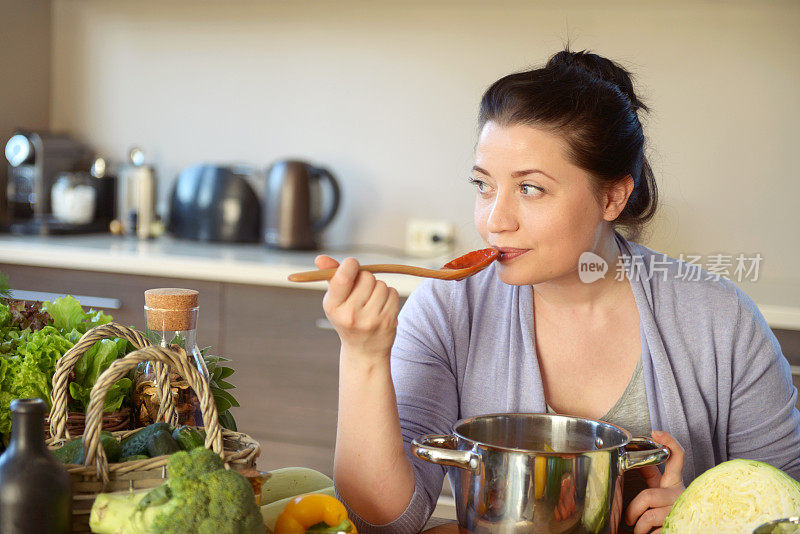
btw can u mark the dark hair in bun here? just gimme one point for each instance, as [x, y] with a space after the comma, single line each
[590, 101]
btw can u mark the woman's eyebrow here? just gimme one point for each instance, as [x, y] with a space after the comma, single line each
[516, 174]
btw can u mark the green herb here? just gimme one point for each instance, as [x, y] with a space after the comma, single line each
[217, 373]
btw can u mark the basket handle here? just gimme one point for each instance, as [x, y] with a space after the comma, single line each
[172, 356]
[58, 412]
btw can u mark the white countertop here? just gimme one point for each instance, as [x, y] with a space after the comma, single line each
[224, 262]
[256, 264]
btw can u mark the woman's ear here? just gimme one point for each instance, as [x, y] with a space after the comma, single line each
[616, 196]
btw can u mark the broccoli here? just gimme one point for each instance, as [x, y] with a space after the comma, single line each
[201, 496]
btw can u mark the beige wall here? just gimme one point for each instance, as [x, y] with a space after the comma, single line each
[385, 94]
[24, 69]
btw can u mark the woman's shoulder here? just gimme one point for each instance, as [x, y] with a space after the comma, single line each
[481, 297]
[682, 286]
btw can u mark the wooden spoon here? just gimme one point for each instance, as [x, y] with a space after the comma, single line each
[458, 269]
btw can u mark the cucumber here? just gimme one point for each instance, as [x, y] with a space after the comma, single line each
[136, 443]
[162, 443]
[270, 512]
[291, 481]
[555, 471]
[72, 452]
[188, 437]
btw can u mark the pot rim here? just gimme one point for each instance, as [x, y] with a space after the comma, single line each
[461, 422]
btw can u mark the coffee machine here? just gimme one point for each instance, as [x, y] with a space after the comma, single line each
[37, 162]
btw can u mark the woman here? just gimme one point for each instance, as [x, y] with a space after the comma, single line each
[559, 167]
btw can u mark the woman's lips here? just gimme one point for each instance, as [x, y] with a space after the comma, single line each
[508, 253]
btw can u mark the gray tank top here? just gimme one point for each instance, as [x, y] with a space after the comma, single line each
[632, 413]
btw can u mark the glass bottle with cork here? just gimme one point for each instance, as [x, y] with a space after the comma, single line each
[171, 319]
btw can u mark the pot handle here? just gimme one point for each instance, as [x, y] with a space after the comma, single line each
[649, 453]
[441, 449]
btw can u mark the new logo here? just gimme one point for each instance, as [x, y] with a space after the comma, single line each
[591, 267]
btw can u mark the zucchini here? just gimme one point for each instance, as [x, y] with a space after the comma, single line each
[112, 447]
[136, 443]
[132, 458]
[291, 481]
[188, 437]
[71, 452]
[162, 443]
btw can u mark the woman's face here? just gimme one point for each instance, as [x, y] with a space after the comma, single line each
[533, 204]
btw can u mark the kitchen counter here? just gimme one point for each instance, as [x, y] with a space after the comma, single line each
[258, 265]
[169, 257]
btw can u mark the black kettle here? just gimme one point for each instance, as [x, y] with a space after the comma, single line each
[293, 216]
[215, 203]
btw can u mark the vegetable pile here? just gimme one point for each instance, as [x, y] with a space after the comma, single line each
[201, 496]
[33, 336]
[734, 497]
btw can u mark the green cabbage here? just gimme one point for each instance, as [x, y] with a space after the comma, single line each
[734, 497]
[595, 511]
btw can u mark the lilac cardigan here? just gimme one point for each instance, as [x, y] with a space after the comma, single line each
[715, 376]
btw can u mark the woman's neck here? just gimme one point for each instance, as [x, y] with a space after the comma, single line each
[569, 292]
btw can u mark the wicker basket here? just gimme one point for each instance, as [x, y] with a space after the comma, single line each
[76, 422]
[238, 450]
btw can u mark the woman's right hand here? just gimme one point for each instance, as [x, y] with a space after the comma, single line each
[363, 310]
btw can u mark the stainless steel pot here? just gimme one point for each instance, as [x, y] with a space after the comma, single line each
[790, 525]
[542, 473]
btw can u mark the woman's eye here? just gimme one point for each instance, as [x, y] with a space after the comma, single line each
[480, 184]
[532, 190]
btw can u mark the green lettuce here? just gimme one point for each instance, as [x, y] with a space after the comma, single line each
[89, 368]
[68, 315]
[5, 316]
[28, 357]
[27, 372]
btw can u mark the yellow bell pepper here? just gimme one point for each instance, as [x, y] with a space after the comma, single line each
[308, 510]
[540, 473]
[539, 476]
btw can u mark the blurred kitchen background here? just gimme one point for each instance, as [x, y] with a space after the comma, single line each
[384, 95]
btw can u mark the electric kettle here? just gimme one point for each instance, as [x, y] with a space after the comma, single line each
[293, 214]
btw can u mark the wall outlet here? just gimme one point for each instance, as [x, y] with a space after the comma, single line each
[425, 237]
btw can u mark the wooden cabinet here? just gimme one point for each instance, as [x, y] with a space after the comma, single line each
[790, 345]
[126, 290]
[287, 372]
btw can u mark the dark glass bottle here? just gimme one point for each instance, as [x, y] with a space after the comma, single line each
[35, 490]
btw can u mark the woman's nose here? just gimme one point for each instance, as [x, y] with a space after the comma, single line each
[502, 217]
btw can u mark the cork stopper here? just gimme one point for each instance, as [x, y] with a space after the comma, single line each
[171, 309]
